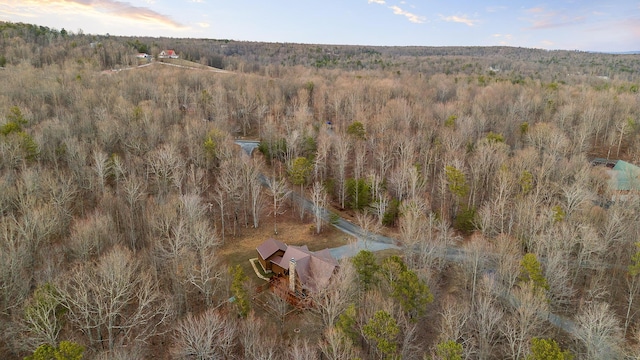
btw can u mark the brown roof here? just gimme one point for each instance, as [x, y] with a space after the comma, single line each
[270, 247]
[321, 271]
[314, 269]
[276, 260]
[294, 252]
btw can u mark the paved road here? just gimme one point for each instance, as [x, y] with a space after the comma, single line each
[248, 145]
[365, 240]
[377, 242]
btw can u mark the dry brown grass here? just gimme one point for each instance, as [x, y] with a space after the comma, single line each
[291, 231]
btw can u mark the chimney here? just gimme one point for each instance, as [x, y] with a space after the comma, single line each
[292, 275]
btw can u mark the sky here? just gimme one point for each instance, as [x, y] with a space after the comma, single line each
[588, 25]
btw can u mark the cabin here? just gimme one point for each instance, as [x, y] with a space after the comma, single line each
[168, 54]
[270, 252]
[302, 270]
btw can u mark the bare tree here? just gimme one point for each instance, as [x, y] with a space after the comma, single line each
[37, 225]
[230, 190]
[165, 165]
[341, 146]
[303, 350]
[192, 209]
[454, 318]
[482, 168]
[409, 347]
[399, 181]
[134, 195]
[475, 263]
[624, 127]
[319, 200]
[42, 317]
[279, 193]
[380, 199]
[413, 227]
[526, 320]
[293, 144]
[336, 346]
[254, 189]
[205, 336]
[368, 224]
[176, 262]
[220, 196]
[279, 307]
[114, 301]
[633, 287]
[90, 236]
[360, 159]
[508, 262]
[322, 155]
[332, 299]
[15, 262]
[486, 317]
[256, 339]
[576, 195]
[599, 332]
[204, 272]
[557, 273]
[383, 155]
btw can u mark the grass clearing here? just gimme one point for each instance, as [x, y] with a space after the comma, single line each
[291, 231]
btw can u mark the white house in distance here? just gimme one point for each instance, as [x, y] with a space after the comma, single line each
[168, 54]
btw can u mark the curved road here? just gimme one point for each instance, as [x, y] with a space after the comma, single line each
[365, 240]
[377, 242]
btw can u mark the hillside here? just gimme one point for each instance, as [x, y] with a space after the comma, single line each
[128, 214]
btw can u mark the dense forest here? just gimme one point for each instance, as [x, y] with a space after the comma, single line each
[128, 214]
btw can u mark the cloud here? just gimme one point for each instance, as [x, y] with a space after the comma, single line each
[503, 36]
[556, 23]
[417, 19]
[535, 10]
[503, 39]
[414, 18]
[459, 19]
[493, 9]
[547, 19]
[203, 24]
[95, 8]
[629, 26]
